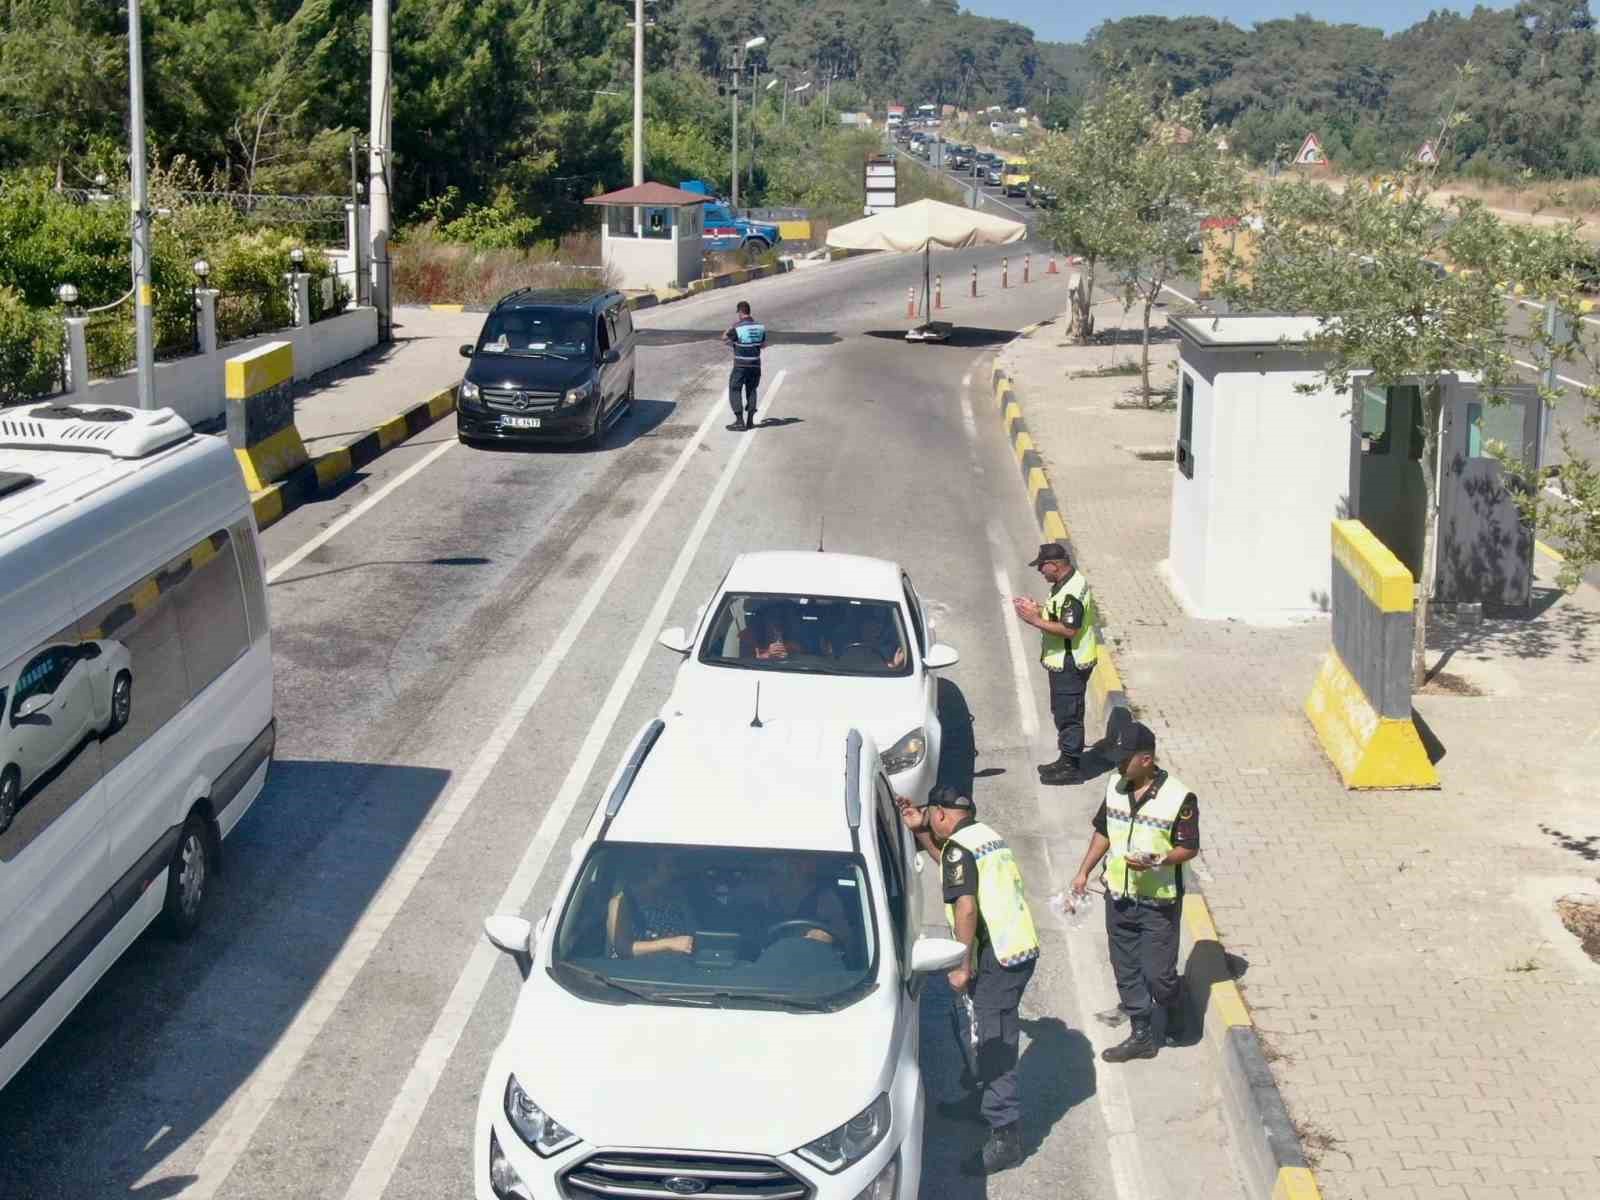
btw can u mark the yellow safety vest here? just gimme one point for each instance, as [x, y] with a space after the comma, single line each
[1150, 830]
[1001, 905]
[1086, 646]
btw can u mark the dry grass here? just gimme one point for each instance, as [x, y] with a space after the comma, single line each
[430, 271]
[1581, 916]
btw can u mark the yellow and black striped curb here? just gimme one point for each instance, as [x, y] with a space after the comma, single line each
[327, 471]
[1275, 1163]
[662, 296]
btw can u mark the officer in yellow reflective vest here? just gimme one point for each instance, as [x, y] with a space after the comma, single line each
[1069, 644]
[1147, 827]
[985, 907]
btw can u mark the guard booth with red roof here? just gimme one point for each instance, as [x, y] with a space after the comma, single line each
[652, 236]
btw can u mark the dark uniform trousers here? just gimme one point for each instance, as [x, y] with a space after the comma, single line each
[1144, 954]
[744, 377]
[996, 996]
[1069, 697]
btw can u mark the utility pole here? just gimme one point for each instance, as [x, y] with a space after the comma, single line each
[378, 166]
[638, 94]
[143, 298]
[755, 108]
[738, 63]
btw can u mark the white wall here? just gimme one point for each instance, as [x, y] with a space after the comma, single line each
[641, 262]
[1272, 469]
[1191, 497]
[194, 386]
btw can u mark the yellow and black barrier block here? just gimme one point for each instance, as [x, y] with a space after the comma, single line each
[1360, 705]
[261, 429]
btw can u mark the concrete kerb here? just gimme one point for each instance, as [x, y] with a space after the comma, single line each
[327, 471]
[1270, 1155]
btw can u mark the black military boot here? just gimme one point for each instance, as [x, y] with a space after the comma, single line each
[1001, 1152]
[1063, 770]
[1176, 1024]
[1141, 1043]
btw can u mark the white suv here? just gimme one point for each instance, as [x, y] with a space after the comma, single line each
[826, 637]
[722, 999]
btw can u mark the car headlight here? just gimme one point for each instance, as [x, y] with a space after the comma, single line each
[543, 1134]
[468, 391]
[907, 752]
[503, 1178]
[852, 1141]
[577, 395]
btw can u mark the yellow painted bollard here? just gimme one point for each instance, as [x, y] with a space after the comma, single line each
[938, 291]
[260, 405]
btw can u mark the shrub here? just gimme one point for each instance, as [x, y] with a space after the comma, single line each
[30, 350]
[431, 270]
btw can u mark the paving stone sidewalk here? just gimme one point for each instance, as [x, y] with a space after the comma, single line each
[1434, 1028]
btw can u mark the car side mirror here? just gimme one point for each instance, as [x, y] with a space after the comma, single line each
[466, 352]
[515, 937]
[32, 706]
[611, 356]
[930, 954]
[676, 640]
[940, 656]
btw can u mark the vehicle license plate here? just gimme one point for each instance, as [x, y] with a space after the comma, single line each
[520, 422]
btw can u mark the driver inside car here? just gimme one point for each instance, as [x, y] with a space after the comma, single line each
[872, 632]
[769, 635]
[800, 904]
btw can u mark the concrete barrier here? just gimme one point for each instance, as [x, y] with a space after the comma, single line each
[260, 404]
[1360, 704]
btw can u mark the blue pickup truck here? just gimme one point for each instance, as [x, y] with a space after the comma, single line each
[724, 231]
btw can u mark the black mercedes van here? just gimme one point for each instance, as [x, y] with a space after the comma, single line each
[550, 366]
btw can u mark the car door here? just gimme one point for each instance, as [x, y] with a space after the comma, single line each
[605, 373]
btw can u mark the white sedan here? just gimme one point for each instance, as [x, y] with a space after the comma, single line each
[835, 637]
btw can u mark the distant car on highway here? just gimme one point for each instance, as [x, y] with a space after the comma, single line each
[51, 704]
[994, 175]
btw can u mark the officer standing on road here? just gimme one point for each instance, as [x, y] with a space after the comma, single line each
[986, 910]
[747, 336]
[1149, 826]
[1070, 643]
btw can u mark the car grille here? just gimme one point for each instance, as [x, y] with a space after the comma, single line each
[506, 399]
[614, 1175]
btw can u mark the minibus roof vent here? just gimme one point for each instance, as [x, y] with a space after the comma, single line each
[14, 481]
[93, 428]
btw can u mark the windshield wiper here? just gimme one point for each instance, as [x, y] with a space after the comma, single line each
[722, 999]
[606, 981]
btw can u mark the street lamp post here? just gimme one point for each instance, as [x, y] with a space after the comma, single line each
[797, 91]
[638, 95]
[738, 77]
[143, 296]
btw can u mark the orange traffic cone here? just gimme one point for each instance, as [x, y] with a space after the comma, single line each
[1052, 269]
[911, 303]
[938, 291]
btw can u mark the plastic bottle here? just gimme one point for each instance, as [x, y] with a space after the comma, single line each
[1072, 907]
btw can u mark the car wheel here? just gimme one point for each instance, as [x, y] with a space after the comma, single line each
[627, 396]
[188, 879]
[121, 701]
[757, 245]
[10, 794]
[598, 433]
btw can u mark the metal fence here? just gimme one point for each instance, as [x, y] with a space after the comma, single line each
[246, 312]
[331, 294]
[110, 343]
[178, 333]
[33, 371]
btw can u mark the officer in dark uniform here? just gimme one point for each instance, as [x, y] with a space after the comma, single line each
[985, 908]
[747, 336]
[1069, 646]
[1146, 828]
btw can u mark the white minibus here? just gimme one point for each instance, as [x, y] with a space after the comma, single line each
[136, 717]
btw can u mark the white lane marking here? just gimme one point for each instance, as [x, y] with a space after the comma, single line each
[966, 380]
[269, 1079]
[1026, 705]
[1540, 307]
[356, 513]
[384, 1154]
[1091, 980]
[1537, 370]
[969, 426]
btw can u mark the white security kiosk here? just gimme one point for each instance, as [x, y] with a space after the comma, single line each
[1267, 456]
[652, 236]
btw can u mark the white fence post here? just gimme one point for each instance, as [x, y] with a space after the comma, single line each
[207, 298]
[77, 364]
[300, 298]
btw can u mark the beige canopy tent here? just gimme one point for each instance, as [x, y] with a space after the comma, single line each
[921, 226]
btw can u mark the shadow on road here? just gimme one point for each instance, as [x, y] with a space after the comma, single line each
[775, 337]
[639, 421]
[962, 337]
[177, 1028]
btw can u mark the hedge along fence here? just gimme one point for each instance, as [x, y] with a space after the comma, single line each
[32, 345]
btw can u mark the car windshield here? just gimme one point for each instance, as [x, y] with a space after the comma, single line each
[820, 635]
[717, 926]
[538, 332]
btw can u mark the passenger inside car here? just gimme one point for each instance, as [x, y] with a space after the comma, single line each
[650, 914]
[769, 635]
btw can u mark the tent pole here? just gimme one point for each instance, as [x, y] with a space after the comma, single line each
[927, 256]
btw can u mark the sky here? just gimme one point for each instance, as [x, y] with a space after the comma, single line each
[1055, 21]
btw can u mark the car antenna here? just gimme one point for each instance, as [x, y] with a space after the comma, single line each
[755, 721]
[822, 524]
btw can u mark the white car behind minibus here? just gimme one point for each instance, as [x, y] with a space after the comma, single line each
[135, 692]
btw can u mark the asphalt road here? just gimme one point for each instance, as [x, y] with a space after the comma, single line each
[462, 642]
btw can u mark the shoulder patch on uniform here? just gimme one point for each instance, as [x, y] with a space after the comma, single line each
[953, 852]
[956, 873]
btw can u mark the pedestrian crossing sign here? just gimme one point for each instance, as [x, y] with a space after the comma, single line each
[1310, 152]
[1427, 156]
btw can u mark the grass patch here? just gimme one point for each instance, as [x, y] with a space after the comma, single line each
[1116, 370]
[1581, 916]
[429, 270]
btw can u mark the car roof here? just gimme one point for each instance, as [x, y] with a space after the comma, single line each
[726, 783]
[815, 573]
[555, 298]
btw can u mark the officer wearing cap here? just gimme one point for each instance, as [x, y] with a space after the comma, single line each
[1147, 827]
[1069, 645]
[984, 905]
